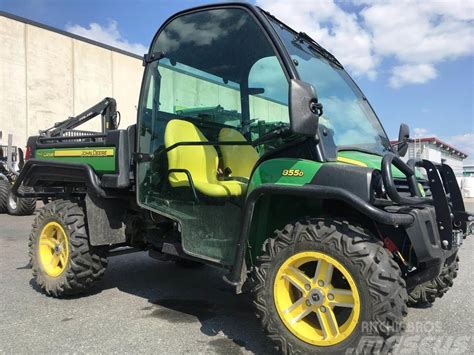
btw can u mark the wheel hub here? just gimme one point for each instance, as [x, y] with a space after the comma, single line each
[316, 298]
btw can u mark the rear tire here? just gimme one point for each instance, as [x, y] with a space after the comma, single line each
[376, 277]
[428, 292]
[21, 206]
[5, 187]
[63, 261]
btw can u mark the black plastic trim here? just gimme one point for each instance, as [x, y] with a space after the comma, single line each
[313, 191]
[355, 179]
[390, 186]
[439, 200]
[35, 171]
[452, 187]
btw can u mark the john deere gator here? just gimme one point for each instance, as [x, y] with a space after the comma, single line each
[254, 152]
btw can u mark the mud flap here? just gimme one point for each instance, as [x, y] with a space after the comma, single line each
[106, 220]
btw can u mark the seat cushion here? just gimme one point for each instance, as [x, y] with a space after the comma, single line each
[200, 161]
[240, 159]
[221, 188]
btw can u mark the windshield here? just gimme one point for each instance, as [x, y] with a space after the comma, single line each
[348, 121]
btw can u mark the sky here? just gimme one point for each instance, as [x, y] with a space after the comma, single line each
[414, 60]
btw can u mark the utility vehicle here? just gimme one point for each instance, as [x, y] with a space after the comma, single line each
[253, 151]
[11, 162]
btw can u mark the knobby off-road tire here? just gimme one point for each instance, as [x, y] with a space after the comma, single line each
[64, 265]
[21, 206]
[5, 187]
[428, 292]
[376, 277]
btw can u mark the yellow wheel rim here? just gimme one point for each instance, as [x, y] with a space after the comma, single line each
[316, 298]
[53, 249]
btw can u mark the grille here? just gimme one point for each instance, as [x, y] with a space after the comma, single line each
[404, 190]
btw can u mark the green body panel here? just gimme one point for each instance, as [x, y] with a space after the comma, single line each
[373, 161]
[276, 171]
[274, 212]
[101, 159]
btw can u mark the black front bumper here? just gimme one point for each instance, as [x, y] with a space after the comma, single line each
[440, 221]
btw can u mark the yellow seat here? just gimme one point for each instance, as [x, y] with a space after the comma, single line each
[201, 161]
[240, 159]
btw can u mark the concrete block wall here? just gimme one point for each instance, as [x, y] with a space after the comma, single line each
[179, 90]
[47, 76]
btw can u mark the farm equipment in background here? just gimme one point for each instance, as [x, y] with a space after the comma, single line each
[11, 163]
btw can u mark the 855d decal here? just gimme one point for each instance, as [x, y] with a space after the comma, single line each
[292, 172]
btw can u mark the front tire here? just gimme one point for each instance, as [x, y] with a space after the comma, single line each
[63, 261]
[428, 292]
[305, 308]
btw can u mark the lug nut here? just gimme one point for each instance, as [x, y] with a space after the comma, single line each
[323, 309]
[308, 303]
[307, 287]
[321, 283]
[330, 296]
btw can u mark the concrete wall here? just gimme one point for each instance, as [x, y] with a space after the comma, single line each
[46, 77]
[182, 91]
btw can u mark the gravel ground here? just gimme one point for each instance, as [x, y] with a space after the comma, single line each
[146, 306]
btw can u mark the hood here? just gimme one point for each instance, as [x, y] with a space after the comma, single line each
[372, 161]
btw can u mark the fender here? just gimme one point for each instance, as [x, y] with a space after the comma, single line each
[37, 173]
[316, 191]
[105, 214]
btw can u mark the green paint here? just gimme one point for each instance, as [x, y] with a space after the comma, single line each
[101, 164]
[271, 172]
[274, 212]
[372, 161]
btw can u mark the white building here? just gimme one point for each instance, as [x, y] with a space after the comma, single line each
[468, 181]
[434, 149]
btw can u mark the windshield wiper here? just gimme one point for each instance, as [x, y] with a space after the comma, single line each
[312, 44]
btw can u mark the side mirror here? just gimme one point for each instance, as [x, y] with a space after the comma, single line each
[304, 108]
[403, 136]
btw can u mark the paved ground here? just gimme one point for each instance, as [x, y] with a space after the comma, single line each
[145, 306]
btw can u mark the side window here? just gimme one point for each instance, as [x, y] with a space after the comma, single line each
[191, 92]
[219, 69]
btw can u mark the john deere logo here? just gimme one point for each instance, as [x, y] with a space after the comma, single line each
[95, 153]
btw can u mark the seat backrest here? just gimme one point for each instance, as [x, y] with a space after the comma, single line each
[239, 158]
[201, 161]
